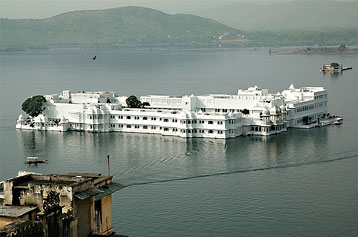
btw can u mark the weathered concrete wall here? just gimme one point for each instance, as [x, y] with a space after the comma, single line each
[38, 192]
[84, 210]
[8, 185]
[107, 214]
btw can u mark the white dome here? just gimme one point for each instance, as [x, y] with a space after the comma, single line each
[292, 87]
[21, 118]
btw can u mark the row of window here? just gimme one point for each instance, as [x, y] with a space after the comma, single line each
[169, 129]
[310, 107]
[226, 110]
[267, 129]
[320, 97]
[201, 131]
[194, 121]
[96, 116]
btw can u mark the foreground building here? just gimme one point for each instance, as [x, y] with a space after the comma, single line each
[73, 204]
[249, 112]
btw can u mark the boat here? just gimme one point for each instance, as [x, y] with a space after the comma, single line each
[334, 67]
[330, 120]
[336, 120]
[34, 160]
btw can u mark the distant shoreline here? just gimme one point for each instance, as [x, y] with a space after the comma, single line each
[288, 50]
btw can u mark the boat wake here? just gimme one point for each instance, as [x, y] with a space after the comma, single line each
[245, 171]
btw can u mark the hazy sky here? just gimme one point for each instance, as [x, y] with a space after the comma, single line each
[48, 8]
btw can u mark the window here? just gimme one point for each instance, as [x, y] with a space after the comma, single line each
[128, 117]
[153, 118]
[211, 131]
[189, 122]
[166, 129]
[220, 122]
[136, 126]
[128, 126]
[224, 110]
[136, 117]
[153, 127]
[220, 132]
[145, 118]
[145, 127]
[210, 122]
[166, 120]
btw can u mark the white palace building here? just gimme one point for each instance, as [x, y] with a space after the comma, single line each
[249, 112]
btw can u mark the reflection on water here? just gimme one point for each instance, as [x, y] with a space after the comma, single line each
[137, 158]
[332, 74]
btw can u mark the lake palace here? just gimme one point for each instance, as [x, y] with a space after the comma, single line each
[253, 111]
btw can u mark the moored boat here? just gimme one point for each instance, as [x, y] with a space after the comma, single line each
[334, 67]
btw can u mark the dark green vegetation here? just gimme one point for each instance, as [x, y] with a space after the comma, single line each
[133, 102]
[113, 27]
[34, 106]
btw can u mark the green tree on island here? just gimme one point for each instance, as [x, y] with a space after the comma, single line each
[133, 102]
[33, 106]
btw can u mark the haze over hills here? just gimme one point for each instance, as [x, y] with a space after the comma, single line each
[277, 16]
[113, 27]
[249, 15]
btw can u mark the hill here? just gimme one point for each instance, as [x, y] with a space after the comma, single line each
[113, 27]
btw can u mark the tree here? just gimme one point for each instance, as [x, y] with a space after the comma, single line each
[33, 106]
[245, 111]
[145, 104]
[133, 102]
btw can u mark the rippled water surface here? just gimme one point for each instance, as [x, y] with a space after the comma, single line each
[299, 183]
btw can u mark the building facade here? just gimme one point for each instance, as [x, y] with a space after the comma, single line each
[253, 111]
[73, 204]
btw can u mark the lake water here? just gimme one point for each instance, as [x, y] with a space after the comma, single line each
[299, 183]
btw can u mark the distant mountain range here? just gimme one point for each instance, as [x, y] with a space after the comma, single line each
[139, 26]
[114, 27]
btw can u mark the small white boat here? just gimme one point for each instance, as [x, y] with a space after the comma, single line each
[34, 160]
